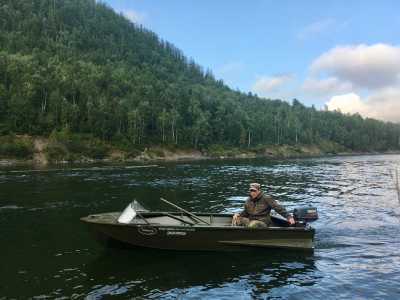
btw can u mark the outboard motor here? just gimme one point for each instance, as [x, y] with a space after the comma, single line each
[305, 214]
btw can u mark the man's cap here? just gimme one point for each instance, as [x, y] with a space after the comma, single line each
[254, 186]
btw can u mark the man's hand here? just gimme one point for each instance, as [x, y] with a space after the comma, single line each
[291, 220]
[235, 219]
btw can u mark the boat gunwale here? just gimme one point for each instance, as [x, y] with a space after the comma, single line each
[94, 219]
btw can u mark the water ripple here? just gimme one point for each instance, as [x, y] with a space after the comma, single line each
[50, 255]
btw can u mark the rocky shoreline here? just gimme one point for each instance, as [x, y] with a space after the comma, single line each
[159, 154]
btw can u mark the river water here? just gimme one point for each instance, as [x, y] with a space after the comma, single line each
[46, 253]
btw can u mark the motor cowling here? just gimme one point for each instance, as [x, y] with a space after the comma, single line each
[306, 214]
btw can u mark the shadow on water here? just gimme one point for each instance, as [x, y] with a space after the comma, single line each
[155, 274]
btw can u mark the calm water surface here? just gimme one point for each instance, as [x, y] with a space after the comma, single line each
[46, 253]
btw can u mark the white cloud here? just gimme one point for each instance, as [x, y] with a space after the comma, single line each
[346, 72]
[382, 105]
[316, 28]
[364, 66]
[230, 72]
[385, 104]
[326, 86]
[134, 16]
[347, 103]
[231, 68]
[265, 85]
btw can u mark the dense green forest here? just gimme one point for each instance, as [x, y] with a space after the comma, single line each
[77, 66]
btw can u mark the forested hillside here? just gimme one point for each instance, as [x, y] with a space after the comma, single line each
[77, 66]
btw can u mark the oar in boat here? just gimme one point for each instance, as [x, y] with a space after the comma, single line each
[179, 219]
[185, 211]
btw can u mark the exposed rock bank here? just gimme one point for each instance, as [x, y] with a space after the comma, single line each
[40, 155]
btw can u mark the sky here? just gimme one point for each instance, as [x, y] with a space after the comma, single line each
[331, 54]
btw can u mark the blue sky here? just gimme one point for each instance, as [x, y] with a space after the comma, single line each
[343, 54]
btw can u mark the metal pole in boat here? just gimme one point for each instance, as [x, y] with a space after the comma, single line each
[185, 211]
[397, 185]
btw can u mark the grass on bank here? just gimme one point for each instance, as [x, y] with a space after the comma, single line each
[64, 146]
[13, 146]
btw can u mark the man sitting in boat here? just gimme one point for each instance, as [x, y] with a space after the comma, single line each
[256, 212]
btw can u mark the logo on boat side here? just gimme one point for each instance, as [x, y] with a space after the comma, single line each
[176, 229]
[179, 233]
[147, 230]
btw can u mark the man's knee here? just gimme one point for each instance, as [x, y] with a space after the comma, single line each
[256, 224]
[241, 221]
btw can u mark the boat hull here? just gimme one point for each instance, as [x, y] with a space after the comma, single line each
[199, 237]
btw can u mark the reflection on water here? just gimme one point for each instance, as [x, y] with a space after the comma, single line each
[47, 253]
[155, 274]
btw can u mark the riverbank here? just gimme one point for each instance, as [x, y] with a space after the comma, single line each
[40, 152]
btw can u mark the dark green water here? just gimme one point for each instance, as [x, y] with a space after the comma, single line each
[46, 253]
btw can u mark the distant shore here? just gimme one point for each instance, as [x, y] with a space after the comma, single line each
[39, 157]
[7, 162]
